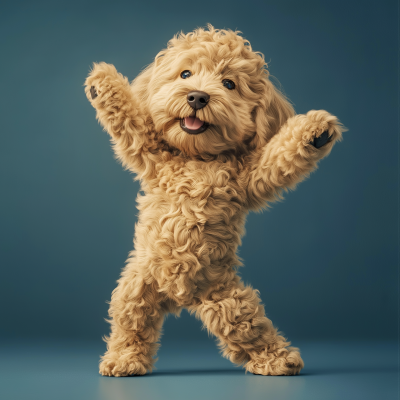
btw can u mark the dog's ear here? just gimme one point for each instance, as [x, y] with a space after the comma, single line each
[140, 85]
[270, 114]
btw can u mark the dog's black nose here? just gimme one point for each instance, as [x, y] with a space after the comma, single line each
[197, 99]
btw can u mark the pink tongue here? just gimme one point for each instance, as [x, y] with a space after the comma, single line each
[193, 123]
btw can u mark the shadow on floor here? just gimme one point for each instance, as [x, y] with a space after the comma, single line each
[326, 371]
[200, 372]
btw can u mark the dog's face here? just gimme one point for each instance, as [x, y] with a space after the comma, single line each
[209, 93]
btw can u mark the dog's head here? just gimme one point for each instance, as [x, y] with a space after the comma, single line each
[208, 93]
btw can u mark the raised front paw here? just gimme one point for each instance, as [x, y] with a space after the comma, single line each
[320, 128]
[320, 140]
[286, 361]
[93, 92]
[105, 82]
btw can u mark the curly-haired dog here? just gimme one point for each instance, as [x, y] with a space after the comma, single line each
[209, 138]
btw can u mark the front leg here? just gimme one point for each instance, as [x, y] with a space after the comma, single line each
[291, 155]
[135, 145]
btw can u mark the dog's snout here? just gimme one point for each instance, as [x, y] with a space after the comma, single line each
[197, 99]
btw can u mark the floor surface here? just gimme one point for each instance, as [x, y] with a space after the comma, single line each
[60, 370]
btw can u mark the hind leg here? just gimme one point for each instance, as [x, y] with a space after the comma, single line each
[234, 314]
[137, 312]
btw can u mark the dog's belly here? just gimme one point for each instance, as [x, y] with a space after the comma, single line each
[190, 227]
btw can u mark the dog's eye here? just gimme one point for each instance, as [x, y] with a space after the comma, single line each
[185, 74]
[228, 84]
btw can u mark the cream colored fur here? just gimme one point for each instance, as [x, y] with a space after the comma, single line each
[198, 190]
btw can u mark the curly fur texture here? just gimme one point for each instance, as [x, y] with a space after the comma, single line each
[198, 190]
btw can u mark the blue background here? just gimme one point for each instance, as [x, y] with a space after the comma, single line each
[324, 259]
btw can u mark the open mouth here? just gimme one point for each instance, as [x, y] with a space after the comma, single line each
[193, 125]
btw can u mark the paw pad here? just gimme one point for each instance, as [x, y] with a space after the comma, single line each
[321, 140]
[93, 92]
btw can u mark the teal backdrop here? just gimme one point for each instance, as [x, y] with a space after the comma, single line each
[324, 259]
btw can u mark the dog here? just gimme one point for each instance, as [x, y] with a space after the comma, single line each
[210, 138]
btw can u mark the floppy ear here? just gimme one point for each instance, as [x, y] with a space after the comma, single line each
[270, 114]
[140, 85]
[144, 84]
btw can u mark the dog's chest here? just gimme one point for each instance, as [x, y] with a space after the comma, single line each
[201, 193]
[195, 211]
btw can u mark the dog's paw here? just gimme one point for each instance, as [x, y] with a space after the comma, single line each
[93, 92]
[112, 365]
[104, 82]
[287, 362]
[320, 128]
[321, 140]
